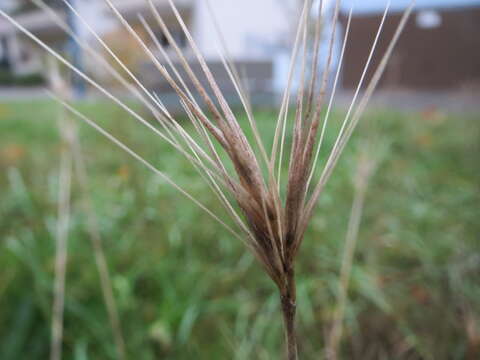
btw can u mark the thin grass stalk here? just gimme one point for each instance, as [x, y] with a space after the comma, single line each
[365, 168]
[99, 254]
[61, 246]
[288, 300]
[73, 148]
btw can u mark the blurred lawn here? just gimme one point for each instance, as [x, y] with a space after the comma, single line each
[187, 290]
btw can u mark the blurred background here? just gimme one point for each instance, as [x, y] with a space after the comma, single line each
[184, 287]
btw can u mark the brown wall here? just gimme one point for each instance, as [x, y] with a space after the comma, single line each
[444, 57]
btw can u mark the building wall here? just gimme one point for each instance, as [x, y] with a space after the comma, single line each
[438, 49]
[252, 29]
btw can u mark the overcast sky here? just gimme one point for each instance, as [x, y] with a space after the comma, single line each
[378, 5]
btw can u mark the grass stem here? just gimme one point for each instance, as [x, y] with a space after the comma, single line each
[289, 309]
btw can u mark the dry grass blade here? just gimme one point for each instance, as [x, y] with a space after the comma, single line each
[61, 255]
[366, 166]
[96, 240]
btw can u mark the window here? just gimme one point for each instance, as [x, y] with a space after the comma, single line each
[429, 19]
[4, 61]
[177, 34]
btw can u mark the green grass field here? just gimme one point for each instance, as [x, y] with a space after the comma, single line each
[186, 289]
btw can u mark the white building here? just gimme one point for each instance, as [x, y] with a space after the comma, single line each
[257, 33]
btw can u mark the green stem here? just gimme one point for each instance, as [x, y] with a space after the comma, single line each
[289, 307]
